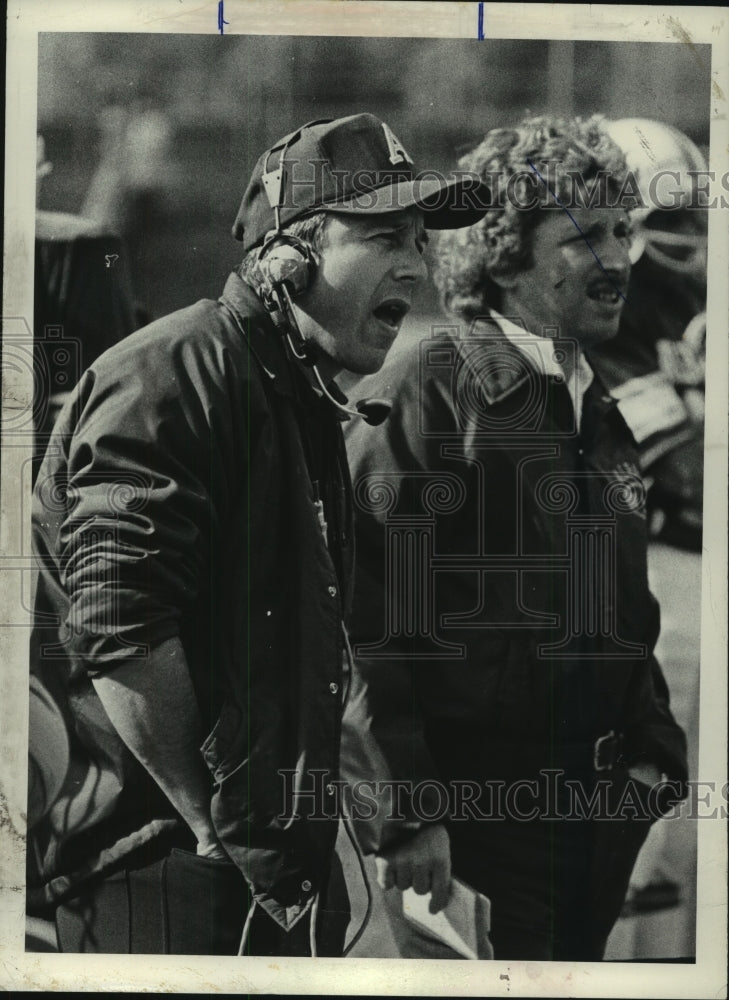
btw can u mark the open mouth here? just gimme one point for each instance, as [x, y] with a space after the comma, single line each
[392, 312]
[605, 291]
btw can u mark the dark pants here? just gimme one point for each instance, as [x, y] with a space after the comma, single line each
[186, 905]
[556, 885]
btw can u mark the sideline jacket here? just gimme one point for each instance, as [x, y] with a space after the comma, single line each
[177, 499]
[501, 598]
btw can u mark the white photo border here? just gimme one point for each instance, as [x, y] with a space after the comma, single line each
[610, 23]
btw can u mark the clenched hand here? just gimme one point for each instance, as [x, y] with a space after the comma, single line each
[423, 862]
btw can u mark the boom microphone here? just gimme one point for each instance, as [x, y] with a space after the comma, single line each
[373, 411]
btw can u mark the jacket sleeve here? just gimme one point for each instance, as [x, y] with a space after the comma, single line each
[655, 735]
[145, 468]
[383, 737]
[651, 731]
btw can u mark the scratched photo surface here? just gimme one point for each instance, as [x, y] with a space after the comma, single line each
[533, 536]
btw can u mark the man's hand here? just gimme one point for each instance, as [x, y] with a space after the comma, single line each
[423, 862]
[211, 850]
[645, 772]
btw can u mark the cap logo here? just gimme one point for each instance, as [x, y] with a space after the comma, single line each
[398, 153]
[272, 185]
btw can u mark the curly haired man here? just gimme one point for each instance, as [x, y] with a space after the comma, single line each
[502, 616]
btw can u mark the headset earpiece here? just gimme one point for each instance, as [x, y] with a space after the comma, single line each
[285, 260]
[285, 268]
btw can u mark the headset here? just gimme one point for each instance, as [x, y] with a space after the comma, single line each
[286, 267]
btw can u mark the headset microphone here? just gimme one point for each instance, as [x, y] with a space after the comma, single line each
[373, 411]
[278, 301]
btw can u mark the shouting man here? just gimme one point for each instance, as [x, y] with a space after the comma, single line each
[193, 538]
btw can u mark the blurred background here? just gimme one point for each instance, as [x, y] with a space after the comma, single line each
[152, 138]
[156, 134]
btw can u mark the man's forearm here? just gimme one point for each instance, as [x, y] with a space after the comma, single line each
[151, 703]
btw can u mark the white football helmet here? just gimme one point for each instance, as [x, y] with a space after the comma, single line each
[671, 226]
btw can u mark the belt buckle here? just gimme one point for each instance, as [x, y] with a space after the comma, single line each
[599, 743]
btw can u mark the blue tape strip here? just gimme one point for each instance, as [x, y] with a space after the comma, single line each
[221, 17]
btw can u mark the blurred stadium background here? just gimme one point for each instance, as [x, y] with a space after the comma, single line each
[175, 122]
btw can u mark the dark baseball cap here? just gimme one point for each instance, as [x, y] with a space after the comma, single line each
[351, 165]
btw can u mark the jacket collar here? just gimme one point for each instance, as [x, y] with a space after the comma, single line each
[498, 381]
[264, 340]
[545, 354]
[513, 371]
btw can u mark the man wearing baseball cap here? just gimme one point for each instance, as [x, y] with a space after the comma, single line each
[193, 541]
